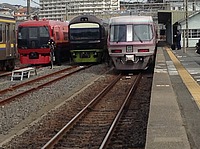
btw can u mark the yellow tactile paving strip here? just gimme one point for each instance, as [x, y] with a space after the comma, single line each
[190, 83]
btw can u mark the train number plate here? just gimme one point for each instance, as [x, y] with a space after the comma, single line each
[129, 49]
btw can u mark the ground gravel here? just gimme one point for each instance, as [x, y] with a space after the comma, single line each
[17, 111]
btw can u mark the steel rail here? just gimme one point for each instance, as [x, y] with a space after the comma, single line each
[9, 99]
[34, 80]
[7, 73]
[60, 134]
[112, 127]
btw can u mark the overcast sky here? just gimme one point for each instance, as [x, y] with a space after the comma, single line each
[20, 2]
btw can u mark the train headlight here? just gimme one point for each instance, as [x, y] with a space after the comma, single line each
[116, 51]
[141, 59]
[143, 50]
[74, 55]
[24, 47]
[43, 47]
[95, 53]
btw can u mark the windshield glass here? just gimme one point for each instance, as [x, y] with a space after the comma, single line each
[33, 37]
[124, 33]
[84, 31]
[118, 33]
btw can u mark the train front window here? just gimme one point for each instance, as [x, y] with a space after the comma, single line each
[128, 33]
[142, 32]
[118, 33]
[33, 37]
[85, 31]
[33, 33]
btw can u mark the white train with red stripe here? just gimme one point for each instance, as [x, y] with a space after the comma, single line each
[132, 42]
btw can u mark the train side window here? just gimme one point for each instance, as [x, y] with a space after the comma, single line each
[57, 36]
[65, 34]
[7, 32]
[13, 34]
[1, 32]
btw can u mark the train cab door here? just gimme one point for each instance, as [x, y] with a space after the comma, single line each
[8, 40]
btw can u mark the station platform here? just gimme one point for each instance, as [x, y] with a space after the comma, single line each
[174, 116]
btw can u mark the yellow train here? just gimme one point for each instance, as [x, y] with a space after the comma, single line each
[8, 52]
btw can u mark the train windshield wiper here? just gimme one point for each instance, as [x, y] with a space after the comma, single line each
[121, 38]
[138, 37]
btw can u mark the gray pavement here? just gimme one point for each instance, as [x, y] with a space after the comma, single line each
[174, 119]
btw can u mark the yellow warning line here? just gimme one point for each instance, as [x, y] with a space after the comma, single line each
[190, 83]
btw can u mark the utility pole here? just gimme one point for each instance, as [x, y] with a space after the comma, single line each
[186, 21]
[28, 9]
[185, 31]
[67, 10]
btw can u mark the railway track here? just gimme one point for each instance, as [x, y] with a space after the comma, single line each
[9, 94]
[93, 126]
[131, 128]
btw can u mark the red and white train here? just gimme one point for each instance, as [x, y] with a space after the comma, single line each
[132, 42]
[33, 37]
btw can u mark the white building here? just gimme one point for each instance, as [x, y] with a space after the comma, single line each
[193, 29]
[66, 9]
